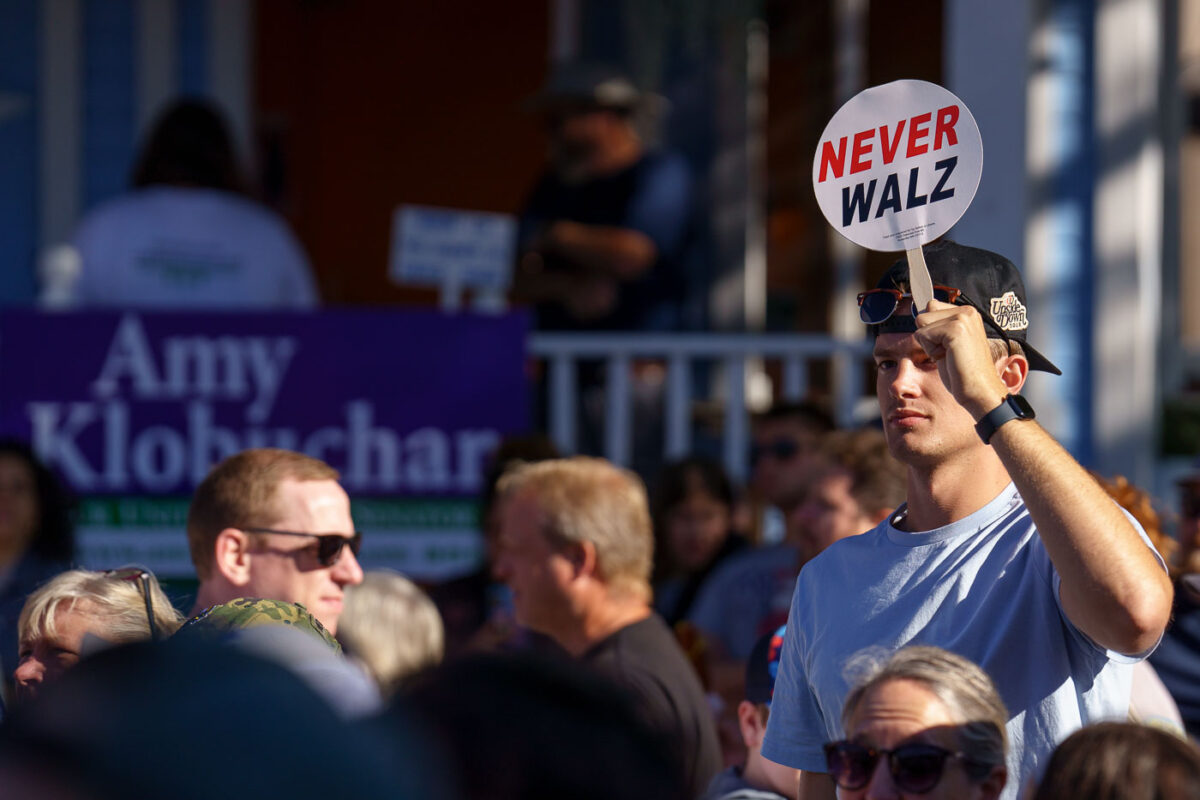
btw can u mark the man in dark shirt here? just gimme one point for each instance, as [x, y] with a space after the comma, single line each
[575, 547]
[605, 232]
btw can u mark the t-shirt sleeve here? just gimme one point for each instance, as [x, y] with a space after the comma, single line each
[797, 728]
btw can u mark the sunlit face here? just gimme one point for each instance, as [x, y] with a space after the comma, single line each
[829, 512]
[900, 712]
[537, 571]
[696, 527]
[785, 454]
[287, 568]
[921, 419]
[45, 657]
[18, 503]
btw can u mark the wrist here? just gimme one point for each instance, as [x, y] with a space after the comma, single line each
[978, 407]
[1012, 408]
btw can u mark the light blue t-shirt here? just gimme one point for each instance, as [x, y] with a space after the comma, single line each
[982, 587]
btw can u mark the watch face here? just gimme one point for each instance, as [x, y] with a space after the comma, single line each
[1021, 406]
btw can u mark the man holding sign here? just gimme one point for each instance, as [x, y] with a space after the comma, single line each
[1005, 552]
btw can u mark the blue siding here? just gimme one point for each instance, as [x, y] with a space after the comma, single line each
[1072, 265]
[19, 37]
[192, 17]
[110, 101]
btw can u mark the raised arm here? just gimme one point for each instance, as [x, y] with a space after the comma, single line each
[1113, 588]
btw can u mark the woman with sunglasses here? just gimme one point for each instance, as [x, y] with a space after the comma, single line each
[82, 611]
[924, 723]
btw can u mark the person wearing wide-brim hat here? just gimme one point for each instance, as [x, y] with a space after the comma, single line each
[604, 233]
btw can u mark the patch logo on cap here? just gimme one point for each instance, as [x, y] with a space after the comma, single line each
[1008, 313]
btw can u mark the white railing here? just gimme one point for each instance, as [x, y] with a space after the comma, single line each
[680, 352]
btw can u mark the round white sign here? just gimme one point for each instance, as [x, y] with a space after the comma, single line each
[898, 165]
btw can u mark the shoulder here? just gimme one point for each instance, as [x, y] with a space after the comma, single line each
[662, 167]
[641, 652]
[115, 210]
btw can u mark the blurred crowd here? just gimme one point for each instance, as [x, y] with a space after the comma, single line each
[942, 604]
[618, 641]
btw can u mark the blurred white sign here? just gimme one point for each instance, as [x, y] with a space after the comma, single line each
[453, 250]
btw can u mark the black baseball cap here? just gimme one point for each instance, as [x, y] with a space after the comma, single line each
[988, 281]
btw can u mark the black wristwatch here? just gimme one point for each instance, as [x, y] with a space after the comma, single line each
[1013, 407]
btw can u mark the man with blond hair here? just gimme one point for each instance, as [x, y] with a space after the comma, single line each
[576, 547]
[274, 524]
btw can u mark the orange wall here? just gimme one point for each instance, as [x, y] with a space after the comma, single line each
[380, 103]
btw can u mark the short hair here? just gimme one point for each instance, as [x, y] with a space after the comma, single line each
[189, 144]
[240, 492]
[808, 413]
[584, 499]
[965, 690]
[392, 627]
[1121, 761]
[1000, 348]
[117, 604]
[877, 480]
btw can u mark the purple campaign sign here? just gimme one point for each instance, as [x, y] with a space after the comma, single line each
[401, 403]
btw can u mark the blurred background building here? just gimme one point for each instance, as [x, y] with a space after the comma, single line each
[1090, 115]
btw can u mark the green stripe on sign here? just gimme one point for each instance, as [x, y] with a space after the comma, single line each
[369, 514]
[134, 512]
[375, 514]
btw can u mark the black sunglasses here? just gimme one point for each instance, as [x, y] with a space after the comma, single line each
[143, 578]
[778, 449]
[329, 545]
[915, 768]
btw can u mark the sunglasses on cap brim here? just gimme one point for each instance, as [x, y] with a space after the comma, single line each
[876, 306]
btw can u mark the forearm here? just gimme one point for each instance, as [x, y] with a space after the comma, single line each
[621, 253]
[534, 284]
[1113, 588]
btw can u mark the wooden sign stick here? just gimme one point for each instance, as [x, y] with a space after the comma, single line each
[919, 282]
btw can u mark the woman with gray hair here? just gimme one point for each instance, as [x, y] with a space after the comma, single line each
[924, 722]
[392, 627]
[81, 611]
